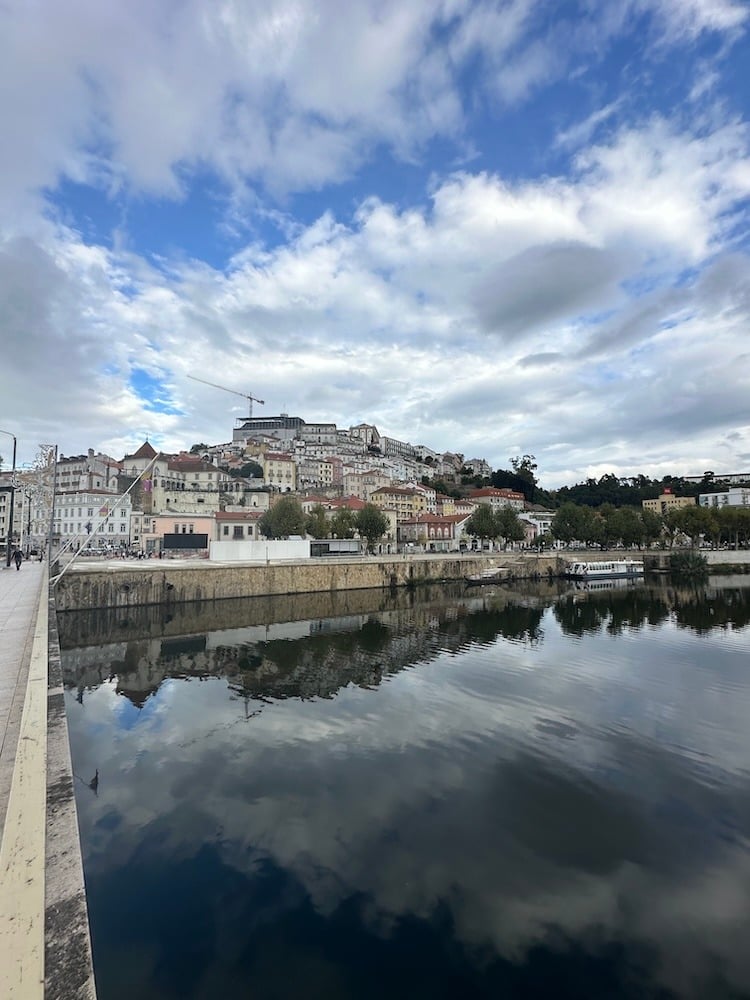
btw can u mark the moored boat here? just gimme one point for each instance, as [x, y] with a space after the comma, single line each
[492, 575]
[605, 570]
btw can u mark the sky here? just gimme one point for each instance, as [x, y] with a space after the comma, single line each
[496, 228]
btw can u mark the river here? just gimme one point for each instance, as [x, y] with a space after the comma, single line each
[439, 793]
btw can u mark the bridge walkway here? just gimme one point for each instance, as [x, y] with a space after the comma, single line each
[45, 951]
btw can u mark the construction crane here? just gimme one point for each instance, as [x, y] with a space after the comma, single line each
[246, 395]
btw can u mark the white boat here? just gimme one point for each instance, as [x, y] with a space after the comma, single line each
[611, 570]
[608, 583]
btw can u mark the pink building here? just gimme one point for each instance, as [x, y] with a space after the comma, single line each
[177, 534]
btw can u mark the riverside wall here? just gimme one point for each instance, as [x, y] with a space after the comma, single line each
[125, 585]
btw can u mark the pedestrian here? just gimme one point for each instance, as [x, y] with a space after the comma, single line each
[18, 558]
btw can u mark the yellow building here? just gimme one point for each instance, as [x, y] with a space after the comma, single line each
[404, 500]
[667, 501]
[280, 471]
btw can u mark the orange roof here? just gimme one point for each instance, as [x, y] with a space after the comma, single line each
[398, 490]
[350, 503]
[145, 451]
[494, 491]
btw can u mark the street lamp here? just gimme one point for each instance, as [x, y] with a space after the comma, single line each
[12, 491]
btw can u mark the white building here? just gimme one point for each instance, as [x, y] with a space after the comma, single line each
[95, 519]
[536, 523]
[497, 498]
[735, 496]
[184, 483]
[92, 471]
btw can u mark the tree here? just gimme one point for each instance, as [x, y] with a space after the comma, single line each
[734, 523]
[250, 470]
[509, 525]
[591, 526]
[482, 523]
[610, 529]
[653, 526]
[626, 526]
[567, 525]
[692, 521]
[371, 523]
[198, 449]
[525, 466]
[317, 523]
[285, 518]
[342, 523]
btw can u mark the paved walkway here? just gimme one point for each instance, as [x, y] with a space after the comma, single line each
[19, 604]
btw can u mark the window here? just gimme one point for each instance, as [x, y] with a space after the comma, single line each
[111, 528]
[226, 529]
[238, 531]
[190, 529]
[176, 528]
[90, 512]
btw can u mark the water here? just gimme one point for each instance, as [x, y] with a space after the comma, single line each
[434, 794]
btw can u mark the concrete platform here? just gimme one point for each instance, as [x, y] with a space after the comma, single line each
[20, 592]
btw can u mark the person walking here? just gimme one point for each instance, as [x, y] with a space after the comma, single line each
[18, 558]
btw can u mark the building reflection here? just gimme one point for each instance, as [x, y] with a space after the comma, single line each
[314, 646]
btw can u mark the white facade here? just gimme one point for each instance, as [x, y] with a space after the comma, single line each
[269, 550]
[536, 523]
[737, 496]
[92, 471]
[95, 519]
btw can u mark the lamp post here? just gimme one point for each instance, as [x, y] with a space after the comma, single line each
[12, 491]
[30, 495]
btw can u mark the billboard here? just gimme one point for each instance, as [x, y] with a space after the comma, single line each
[185, 541]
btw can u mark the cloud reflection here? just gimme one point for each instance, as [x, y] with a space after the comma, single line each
[583, 795]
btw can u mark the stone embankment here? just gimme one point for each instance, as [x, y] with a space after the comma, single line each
[124, 584]
[133, 584]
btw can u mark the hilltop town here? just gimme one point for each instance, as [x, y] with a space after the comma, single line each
[149, 502]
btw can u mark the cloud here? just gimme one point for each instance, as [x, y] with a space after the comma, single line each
[423, 320]
[288, 94]
[544, 284]
[693, 17]
[517, 292]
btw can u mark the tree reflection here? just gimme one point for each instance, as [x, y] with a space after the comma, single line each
[319, 656]
[699, 608]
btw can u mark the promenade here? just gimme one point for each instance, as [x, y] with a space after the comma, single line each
[20, 592]
[45, 951]
[23, 751]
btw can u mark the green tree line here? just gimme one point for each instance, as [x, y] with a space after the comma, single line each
[608, 525]
[287, 517]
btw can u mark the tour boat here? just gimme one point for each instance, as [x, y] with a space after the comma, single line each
[611, 570]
